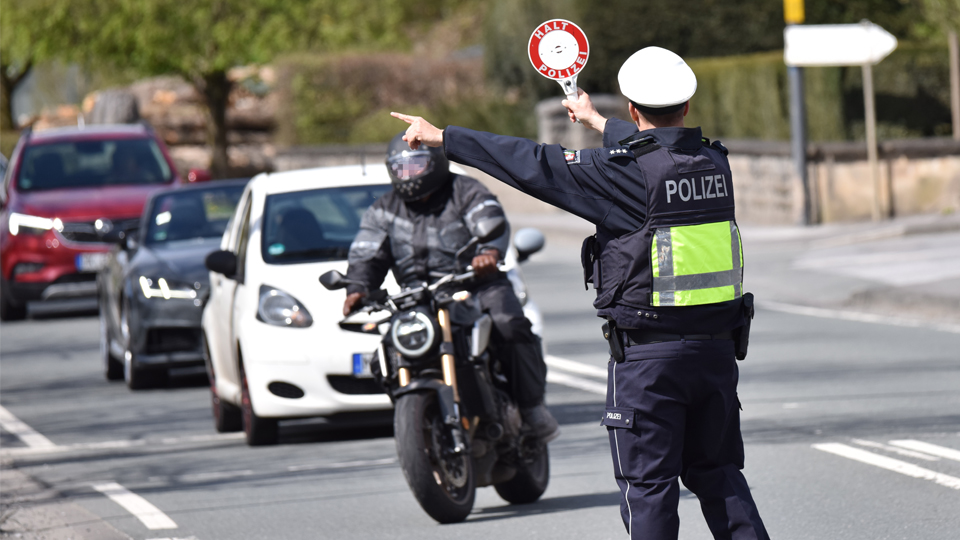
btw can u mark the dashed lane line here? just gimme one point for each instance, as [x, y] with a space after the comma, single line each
[29, 436]
[120, 444]
[889, 464]
[578, 368]
[857, 316]
[895, 450]
[920, 446]
[148, 514]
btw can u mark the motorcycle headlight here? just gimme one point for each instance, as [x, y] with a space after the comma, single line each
[32, 224]
[412, 334]
[168, 288]
[280, 309]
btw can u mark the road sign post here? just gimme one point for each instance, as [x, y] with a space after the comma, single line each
[794, 13]
[864, 45]
[558, 50]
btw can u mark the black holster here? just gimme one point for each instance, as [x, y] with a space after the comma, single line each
[613, 337]
[741, 336]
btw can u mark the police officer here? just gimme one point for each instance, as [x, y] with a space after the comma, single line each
[667, 266]
[417, 229]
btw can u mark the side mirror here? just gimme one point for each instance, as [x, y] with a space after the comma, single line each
[333, 280]
[222, 262]
[126, 239]
[199, 175]
[491, 228]
[528, 241]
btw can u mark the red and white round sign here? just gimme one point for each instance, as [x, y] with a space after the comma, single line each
[558, 49]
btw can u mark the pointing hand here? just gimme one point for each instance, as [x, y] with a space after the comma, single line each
[420, 131]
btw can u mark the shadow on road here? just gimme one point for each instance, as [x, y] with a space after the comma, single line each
[547, 506]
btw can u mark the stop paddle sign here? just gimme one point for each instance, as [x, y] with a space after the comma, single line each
[558, 50]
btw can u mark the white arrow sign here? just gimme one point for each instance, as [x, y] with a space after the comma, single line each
[836, 44]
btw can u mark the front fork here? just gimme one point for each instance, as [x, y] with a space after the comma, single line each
[449, 367]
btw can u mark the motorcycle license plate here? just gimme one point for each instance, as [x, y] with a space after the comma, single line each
[361, 365]
[91, 262]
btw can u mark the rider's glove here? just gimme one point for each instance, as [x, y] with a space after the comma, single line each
[350, 304]
[485, 264]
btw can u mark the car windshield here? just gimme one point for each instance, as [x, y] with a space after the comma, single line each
[92, 163]
[191, 213]
[317, 225]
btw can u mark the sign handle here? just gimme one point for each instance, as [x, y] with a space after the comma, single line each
[569, 86]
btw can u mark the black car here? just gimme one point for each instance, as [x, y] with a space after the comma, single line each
[154, 285]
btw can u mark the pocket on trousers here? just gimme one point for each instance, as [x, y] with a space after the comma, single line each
[619, 417]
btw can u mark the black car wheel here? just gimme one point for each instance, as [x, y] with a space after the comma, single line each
[259, 431]
[10, 310]
[112, 368]
[227, 417]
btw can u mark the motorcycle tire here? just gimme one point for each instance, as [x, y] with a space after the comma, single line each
[530, 481]
[444, 485]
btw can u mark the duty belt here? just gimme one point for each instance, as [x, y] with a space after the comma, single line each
[640, 337]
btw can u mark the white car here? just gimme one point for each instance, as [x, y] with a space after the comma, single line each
[273, 347]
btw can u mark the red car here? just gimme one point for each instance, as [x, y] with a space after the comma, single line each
[63, 189]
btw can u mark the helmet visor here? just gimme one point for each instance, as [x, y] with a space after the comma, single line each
[409, 165]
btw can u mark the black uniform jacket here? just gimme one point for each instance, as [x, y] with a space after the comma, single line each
[605, 186]
[419, 240]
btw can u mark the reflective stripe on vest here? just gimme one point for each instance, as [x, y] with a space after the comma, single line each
[696, 264]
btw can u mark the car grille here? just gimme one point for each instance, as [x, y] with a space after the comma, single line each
[346, 384]
[166, 340]
[86, 231]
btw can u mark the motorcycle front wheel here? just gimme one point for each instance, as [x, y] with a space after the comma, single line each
[442, 482]
[530, 481]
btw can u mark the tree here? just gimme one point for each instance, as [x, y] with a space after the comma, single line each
[202, 39]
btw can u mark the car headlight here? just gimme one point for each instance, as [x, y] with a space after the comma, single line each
[412, 333]
[32, 224]
[280, 309]
[167, 289]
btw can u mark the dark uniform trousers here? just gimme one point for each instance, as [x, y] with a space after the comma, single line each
[518, 347]
[672, 412]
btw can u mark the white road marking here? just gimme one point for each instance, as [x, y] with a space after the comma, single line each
[200, 477]
[576, 382]
[170, 538]
[857, 316]
[142, 509]
[889, 464]
[791, 405]
[895, 450]
[124, 443]
[25, 433]
[342, 465]
[578, 368]
[928, 448]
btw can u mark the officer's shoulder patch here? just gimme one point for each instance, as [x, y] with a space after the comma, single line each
[617, 152]
[571, 156]
[719, 146]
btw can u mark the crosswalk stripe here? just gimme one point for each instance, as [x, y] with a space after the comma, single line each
[33, 439]
[151, 516]
[927, 448]
[889, 464]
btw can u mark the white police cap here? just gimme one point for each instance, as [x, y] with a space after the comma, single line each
[654, 77]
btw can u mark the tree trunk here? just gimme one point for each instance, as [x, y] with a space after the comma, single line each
[215, 88]
[8, 83]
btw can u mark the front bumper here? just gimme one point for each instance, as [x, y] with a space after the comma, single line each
[165, 333]
[44, 267]
[317, 360]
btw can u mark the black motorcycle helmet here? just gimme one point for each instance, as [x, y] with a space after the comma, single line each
[416, 173]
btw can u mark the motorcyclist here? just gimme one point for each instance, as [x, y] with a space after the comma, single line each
[416, 229]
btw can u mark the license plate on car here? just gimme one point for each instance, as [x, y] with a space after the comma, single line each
[361, 365]
[91, 262]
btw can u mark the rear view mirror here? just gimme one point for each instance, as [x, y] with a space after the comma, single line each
[528, 241]
[126, 239]
[333, 280]
[222, 262]
[491, 228]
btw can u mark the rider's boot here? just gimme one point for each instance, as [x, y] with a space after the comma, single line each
[539, 420]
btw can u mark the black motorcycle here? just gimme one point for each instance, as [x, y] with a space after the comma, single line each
[455, 424]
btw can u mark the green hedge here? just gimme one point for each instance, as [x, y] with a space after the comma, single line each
[747, 97]
[347, 99]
